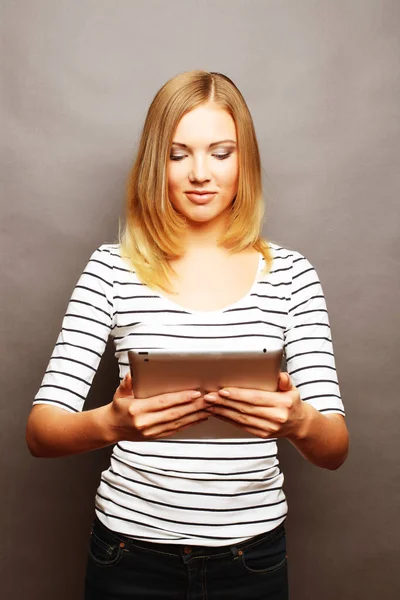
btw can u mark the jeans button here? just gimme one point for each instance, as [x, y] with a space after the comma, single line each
[187, 550]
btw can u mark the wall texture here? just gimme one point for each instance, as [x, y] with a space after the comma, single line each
[322, 81]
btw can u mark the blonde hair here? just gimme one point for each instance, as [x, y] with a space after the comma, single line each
[152, 234]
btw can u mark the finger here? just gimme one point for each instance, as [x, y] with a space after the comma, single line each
[241, 407]
[166, 429]
[262, 433]
[285, 382]
[125, 387]
[164, 401]
[246, 420]
[175, 413]
[247, 396]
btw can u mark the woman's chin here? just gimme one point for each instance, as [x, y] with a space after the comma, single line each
[201, 215]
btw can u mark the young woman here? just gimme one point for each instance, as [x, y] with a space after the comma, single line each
[186, 519]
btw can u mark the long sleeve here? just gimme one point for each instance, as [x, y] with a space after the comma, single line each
[83, 337]
[308, 343]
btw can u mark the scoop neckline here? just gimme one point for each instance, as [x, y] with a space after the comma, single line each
[182, 308]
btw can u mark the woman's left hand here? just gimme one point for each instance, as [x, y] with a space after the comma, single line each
[264, 414]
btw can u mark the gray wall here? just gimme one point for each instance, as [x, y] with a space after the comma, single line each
[322, 81]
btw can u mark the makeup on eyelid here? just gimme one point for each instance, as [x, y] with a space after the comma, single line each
[218, 156]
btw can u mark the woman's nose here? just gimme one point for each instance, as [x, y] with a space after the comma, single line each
[200, 170]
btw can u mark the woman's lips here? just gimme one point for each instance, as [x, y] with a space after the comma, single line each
[200, 198]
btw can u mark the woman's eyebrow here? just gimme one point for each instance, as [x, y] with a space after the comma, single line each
[210, 146]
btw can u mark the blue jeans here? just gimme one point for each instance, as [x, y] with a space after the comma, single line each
[119, 568]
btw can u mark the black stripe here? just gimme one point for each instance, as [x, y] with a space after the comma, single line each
[136, 523]
[88, 289]
[180, 522]
[321, 396]
[133, 283]
[303, 273]
[85, 333]
[335, 410]
[311, 325]
[77, 346]
[176, 538]
[78, 362]
[144, 312]
[313, 367]
[306, 312]
[253, 307]
[163, 456]
[97, 277]
[139, 283]
[69, 375]
[91, 306]
[275, 284]
[199, 337]
[276, 312]
[305, 287]
[88, 319]
[178, 474]
[100, 263]
[59, 387]
[48, 400]
[317, 381]
[137, 298]
[310, 352]
[109, 251]
[299, 259]
[120, 326]
[124, 270]
[282, 269]
[183, 507]
[302, 339]
[222, 324]
[282, 257]
[211, 494]
[184, 473]
[306, 301]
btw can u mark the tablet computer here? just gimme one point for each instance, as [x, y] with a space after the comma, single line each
[160, 371]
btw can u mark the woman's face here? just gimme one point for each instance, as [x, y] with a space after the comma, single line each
[203, 158]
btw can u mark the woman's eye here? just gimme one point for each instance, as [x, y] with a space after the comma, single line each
[218, 156]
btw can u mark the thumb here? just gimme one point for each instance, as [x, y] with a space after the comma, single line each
[284, 383]
[126, 384]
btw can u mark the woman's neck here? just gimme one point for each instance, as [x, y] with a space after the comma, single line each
[201, 236]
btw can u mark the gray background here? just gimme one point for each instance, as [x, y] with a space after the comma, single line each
[321, 79]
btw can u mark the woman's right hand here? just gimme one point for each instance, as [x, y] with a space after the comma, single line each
[136, 419]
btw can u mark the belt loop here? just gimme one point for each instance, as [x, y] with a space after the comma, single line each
[235, 551]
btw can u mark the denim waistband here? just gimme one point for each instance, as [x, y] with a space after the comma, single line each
[179, 549]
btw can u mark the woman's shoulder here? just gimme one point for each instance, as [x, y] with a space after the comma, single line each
[108, 258]
[284, 254]
[110, 250]
[294, 266]
[109, 254]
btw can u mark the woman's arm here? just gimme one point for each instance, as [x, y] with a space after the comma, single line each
[324, 440]
[321, 439]
[53, 432]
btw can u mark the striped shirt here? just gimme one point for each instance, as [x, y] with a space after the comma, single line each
[199, 492]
